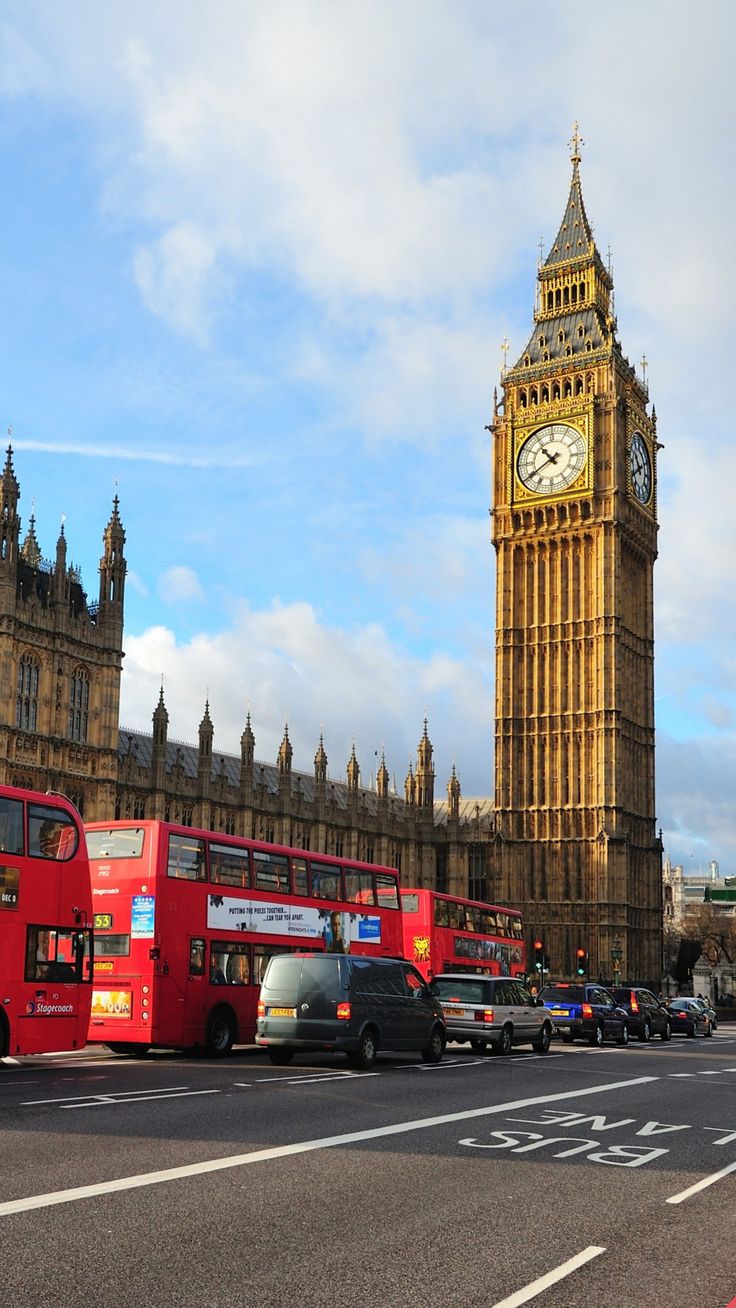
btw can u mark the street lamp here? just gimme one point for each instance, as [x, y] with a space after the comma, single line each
[616, 956]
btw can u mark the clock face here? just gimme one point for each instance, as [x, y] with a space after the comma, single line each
[551, 459]
[641, 468]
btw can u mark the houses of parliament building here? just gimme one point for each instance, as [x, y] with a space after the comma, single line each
[570, 835]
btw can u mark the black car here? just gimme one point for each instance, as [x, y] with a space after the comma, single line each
[585, 1010]
[688, 1018]
[647, 1015]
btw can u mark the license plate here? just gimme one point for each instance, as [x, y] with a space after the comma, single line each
[560, 1012]
[454, 1012]
[282, 1012]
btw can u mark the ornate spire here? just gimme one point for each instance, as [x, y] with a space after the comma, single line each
[410, 786]
[353, 771]
[453, 795]
[30, 549]
[575, 238]
[320, 762]
[382, 779]
[247, 744]
[285, 753]
[10, 488]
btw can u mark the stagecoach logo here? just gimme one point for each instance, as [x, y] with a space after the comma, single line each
[421, 949]
[40, 1008]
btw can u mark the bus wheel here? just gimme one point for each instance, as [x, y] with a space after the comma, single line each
[4, 1036]
[220, 1033]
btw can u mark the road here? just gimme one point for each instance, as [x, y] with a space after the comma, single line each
[586, 1177]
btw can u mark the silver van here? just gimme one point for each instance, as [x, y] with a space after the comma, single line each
[492, 1011]
[347, 1004]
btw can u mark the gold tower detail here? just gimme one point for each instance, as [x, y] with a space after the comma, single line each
[575, 533]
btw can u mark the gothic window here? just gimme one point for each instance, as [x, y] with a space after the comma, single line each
[556, 391]
[78, 706]
[441, 869]
[478, 887]
[522, 399]
[558, 300]
[568, 386]
[545, 356]
[578, 385]
[582, 290]
[338, 846]
[581, 331]
[574, 295]
[545, 394]
[139, 808]
[534, 396]
[560, 338]
[527, 361]
[186, 815]
[566, 296]
[541, 342]
[26, 703]
[550, 300]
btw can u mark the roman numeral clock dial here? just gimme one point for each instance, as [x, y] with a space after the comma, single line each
[551, 459]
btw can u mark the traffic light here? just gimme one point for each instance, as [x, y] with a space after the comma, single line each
[539, 955]
[582, 961]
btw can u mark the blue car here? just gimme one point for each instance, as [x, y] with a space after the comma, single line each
[585, 1011]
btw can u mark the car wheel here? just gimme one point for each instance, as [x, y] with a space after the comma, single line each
[693, 1031]
[645, 1034]
[596, 1036]
[541, 1046]
[280, 1055]
[478, 1046]
[436, 1047]
[667, 1031]
[623, 1039]
[220, 1033]
[365, 1055]
[567, 1037]
[505, 1041]
[709, 1029]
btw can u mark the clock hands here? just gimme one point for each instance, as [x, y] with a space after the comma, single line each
[551, 458]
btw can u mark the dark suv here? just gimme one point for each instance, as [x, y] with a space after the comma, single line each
[585, 1010]
[647, 1016]
[350, 1004]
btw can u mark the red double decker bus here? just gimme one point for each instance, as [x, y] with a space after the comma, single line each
[186, 921]
[45, 924]
[445, 934]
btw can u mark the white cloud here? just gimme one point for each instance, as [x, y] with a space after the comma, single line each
[180, 585]
[284, 664]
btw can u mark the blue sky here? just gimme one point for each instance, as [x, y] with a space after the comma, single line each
[257, 264]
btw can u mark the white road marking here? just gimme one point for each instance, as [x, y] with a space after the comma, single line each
[701, 1185]
[64, 1099]
[300, 1147]
[550, 1278]
[101, 1100]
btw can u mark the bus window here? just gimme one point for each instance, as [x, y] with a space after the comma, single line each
[472, 918]
[359, 887]
[229, 963]
[516, 928]
[11, 826]
[51, 833]
[456, 914]
[490, 925]
[229, 866]
[186, 858]
[117, 946]
[503, 924]
[196, 957]
[299, 873]
[387, 890]
[115, 842]
[53, 954]
[325, 881]
[441, 914]
[271, 871]
[410, 902]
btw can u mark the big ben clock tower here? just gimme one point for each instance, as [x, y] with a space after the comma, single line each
[575, 533]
